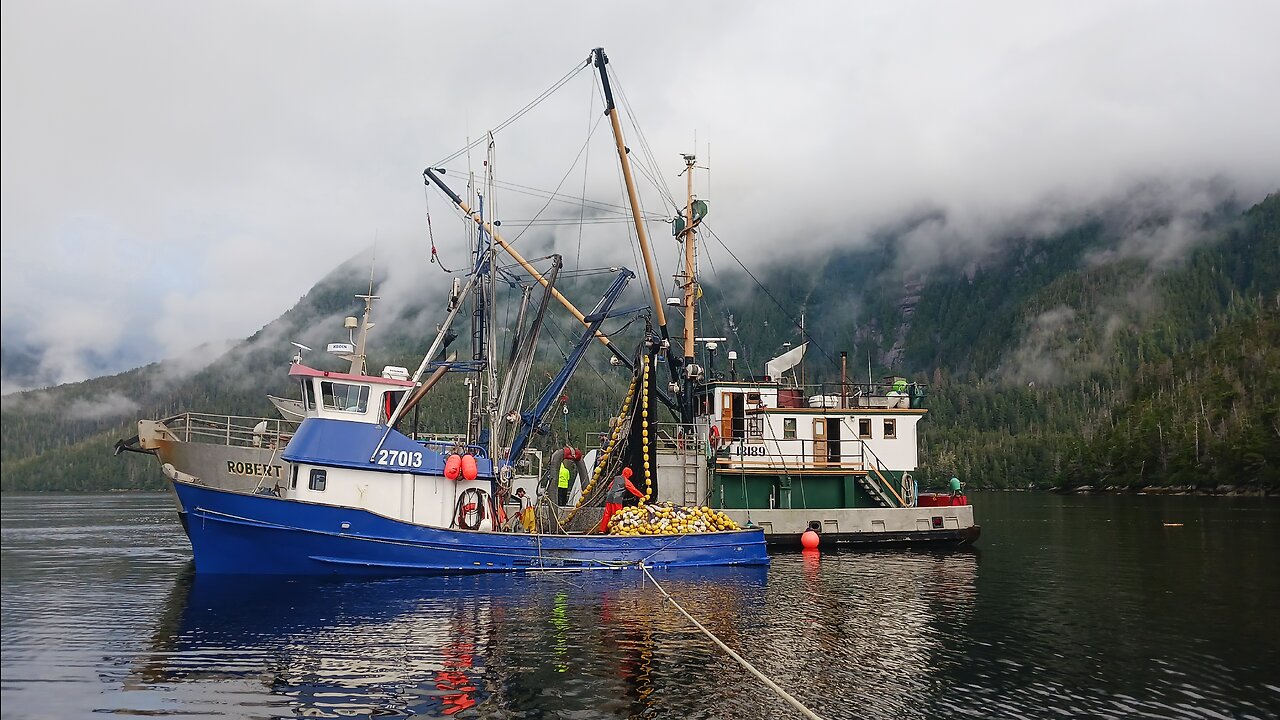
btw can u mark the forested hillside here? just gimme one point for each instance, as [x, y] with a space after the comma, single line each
[1066, 359]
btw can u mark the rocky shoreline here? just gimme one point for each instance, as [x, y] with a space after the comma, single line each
[1222, 490]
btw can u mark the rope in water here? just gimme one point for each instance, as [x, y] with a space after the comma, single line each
[741, 660]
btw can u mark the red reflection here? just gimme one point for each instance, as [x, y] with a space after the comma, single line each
[458, 656]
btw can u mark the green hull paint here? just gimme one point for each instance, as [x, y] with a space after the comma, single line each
[741, 492]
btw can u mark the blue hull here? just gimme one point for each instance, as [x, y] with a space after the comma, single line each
[236, 533]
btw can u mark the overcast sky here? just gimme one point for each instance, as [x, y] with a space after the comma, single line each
[181, 172]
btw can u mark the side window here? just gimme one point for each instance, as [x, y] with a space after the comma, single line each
[890, 429]
[309, 394]
[789, 429]
[317, 480]
[755, 426]
[864, 428]
[293, 478]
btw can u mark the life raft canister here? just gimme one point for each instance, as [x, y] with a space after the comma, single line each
[453, 467]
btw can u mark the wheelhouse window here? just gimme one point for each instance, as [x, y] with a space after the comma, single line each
[864, 428]
[293, 478]
[318, 479]
[789, 429]
[344, 396]
[308, 394]
[890, 429]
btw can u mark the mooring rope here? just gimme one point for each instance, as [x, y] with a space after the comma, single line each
[740, 660]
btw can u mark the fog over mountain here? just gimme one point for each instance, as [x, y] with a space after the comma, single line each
[180, 173]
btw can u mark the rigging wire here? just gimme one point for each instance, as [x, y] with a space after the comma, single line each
[749, 356]
[435, 254]
[519, 113]
[651, 171]
[586, 162]
[635, 243]
[803, 330]
[563, 178]
[777, 689]
[600, 205]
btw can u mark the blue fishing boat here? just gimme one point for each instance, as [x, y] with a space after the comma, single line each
[362, 498]
[359, 496]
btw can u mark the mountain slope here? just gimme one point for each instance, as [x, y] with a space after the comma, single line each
[1078, 357]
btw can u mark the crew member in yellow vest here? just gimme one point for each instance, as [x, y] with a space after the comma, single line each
[562, 488]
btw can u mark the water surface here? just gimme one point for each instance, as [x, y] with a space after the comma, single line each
[1082, 606]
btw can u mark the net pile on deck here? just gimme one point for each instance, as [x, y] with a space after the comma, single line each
[668, 519]
[632, 443]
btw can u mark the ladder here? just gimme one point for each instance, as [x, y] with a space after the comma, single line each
[689, 458]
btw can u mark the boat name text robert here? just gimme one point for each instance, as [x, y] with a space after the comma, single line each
[253, 469]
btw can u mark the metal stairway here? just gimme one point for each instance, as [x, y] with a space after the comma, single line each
[875, 489]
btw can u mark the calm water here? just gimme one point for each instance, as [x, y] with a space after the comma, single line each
[1069, 607]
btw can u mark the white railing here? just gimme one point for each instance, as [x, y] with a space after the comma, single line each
[231, 430]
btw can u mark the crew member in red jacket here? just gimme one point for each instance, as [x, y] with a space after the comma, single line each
[617, 495]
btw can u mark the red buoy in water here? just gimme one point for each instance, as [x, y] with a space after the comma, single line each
[469, 469]
[809, 540]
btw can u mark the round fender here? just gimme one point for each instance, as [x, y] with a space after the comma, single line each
[453, 467]
[469, 469]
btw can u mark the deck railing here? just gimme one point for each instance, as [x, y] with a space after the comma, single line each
[231, 430]
[855, 457]
[895, 393]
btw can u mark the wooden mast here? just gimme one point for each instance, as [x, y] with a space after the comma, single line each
[612, 111]
[674, 362]
[690, 258]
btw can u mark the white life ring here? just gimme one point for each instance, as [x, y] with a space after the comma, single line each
[472, 509]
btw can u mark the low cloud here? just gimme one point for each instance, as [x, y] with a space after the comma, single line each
[110, 405]
[138, 224]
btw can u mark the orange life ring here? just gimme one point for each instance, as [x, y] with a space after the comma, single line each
[713, 437]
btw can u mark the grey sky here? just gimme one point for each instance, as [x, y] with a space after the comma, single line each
[175, 173]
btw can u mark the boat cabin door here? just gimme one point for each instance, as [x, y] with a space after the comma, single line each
[733, 415]
[819, 441]
[833, 440]
[726, 416]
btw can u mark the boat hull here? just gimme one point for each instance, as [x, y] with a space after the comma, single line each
[864, 527]
[237, 533]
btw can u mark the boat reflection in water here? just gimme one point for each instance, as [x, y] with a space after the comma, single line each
[433, 646]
